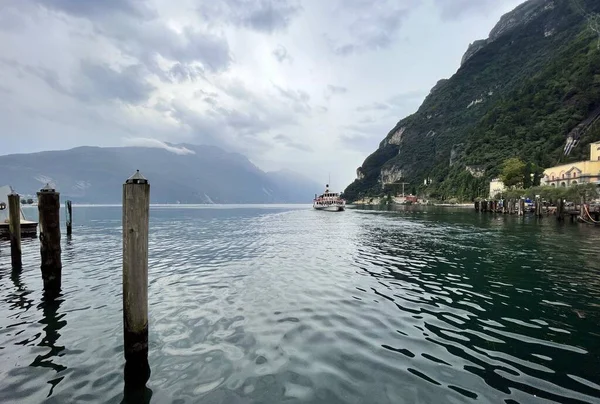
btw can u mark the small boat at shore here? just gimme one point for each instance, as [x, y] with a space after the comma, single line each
[28, 228]
[329, 201]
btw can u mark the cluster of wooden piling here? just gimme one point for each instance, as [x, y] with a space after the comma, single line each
[511, 206]
[559, 210]
[136, 213]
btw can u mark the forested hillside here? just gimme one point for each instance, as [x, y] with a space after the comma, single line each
[521, 92]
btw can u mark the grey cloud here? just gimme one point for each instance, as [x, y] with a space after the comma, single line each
[246, 123]
[49, 77]
[104, 83]
[289, 142]
[281, 54]
[138, 31]
[345, 50]
[360, 142]
[95, 8]
[407, 97]
[260, 15]
[280, 109]
[375, 27]
[298, 99]
[336, 89]
[376, 106]
[203, 93]
[221, 127]
[12, 18]
[367, 120]
[211, 101]
[151, 39]
[184, 72]
[400, 100]
[451, 10]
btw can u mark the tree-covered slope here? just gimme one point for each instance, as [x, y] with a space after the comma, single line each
[518, 93]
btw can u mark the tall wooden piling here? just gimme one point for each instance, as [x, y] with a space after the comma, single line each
[521, 207]
[14, 215]
[560, 210]
[49, 217]
[582, 214]
[69, 212]
[136, 212]
[538, 207]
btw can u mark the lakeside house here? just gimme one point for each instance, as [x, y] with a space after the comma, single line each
[496, 187]
[581, 172]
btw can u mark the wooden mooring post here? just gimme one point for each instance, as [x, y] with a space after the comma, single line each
[14, 215]
[538, 207]
[136, 213]
[50, 250]
[69, 212]
[582, 214]
[560, 210]
[521, 207]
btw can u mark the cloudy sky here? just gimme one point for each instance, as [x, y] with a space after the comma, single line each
[311, 86]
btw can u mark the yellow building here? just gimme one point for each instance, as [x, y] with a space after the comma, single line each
[496, 187]
[581, 172]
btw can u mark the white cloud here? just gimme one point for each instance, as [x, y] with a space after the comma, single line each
[157, 144]
[308, 85]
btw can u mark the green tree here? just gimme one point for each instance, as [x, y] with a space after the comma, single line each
[513, 172]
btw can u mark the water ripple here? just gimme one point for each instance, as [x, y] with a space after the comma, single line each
[284, 304]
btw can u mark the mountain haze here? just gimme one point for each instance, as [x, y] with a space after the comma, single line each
[177, 173]
[522, 92]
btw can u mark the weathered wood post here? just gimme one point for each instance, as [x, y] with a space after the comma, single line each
[582, 214]
[69, 211]
[521, 207]
[136, 212]
[14, 215]
[538, 206]
[49, 213]
[560, 207]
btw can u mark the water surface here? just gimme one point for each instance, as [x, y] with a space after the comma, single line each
[271, 304]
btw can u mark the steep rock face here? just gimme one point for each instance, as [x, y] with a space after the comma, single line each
[390, 175]
[520, 16]
[520, 94]
[473, 49]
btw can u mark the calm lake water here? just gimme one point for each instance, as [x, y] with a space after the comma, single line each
[280, 304]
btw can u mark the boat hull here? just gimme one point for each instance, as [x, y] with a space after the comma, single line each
[332, 208]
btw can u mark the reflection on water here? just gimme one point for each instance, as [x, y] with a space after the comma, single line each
[284, 304]
[53, 322]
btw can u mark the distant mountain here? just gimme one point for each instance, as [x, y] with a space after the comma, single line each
[178, 173]
[530, 90]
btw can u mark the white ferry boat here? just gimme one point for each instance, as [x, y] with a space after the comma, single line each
[329, 201]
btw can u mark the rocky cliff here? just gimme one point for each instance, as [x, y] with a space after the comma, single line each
[517, 93]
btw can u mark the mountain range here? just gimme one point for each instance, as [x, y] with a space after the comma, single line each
[527, 89]
[181, 173]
